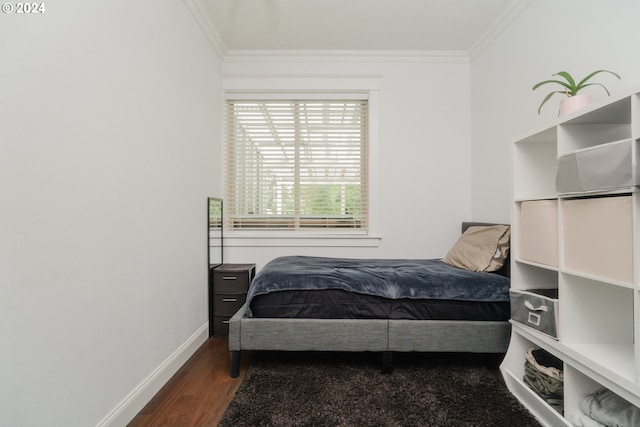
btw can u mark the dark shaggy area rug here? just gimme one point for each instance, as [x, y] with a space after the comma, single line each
[336, 389]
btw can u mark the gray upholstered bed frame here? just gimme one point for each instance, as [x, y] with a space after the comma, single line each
[374, 335]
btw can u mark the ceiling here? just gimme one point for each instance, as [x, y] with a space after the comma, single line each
[353, 25]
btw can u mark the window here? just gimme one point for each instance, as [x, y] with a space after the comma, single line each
[297, 165]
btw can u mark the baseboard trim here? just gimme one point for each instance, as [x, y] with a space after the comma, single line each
[126, 410]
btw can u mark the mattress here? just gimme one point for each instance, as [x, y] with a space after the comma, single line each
[339, 304]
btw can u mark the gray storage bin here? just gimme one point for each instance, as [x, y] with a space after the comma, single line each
[603, 167]
[537, 308]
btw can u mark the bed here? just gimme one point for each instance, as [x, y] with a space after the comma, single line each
[393, 305]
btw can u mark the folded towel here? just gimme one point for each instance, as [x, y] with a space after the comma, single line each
[581, 420]
[610, 409]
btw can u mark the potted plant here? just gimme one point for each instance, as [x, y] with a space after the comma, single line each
[574, 100]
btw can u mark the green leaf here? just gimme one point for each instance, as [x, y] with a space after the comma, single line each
[548, 97]
[583, 81]
[561, 83]
[596, 84]
[571, 83]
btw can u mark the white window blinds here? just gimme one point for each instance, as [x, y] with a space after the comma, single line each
[296, 165]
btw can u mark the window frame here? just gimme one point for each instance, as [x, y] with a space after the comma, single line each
[287, 88]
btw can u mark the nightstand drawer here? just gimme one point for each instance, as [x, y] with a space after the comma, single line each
[228, 304]
[230, 282]
[221, 325]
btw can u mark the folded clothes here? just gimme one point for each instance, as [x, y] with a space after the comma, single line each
[546, 381]
[549, 388]
[533, 357]
[582, 420]
[610, 409]
[545, 358]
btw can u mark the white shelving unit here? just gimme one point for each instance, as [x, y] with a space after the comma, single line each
[596, 234]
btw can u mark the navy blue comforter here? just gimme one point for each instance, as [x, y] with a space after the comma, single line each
[388, 278]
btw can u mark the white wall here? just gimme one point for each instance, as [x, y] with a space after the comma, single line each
[109, 131]
[423, 168]
[578, 36]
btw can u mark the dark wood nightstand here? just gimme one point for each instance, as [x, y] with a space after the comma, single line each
[228, 286]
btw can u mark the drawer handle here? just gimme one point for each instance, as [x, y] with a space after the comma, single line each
[229, 277]
[225, 321]
[531, 307]
[229, 299]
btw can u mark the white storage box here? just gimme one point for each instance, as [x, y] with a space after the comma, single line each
[603, 167]
[537, 308]
[538, 232]
[598, 237]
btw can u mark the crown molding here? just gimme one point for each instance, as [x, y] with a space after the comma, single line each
[345, 56]
[499, 25]
[308, 83]
[207, 27]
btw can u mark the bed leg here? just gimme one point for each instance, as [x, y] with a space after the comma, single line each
[235, 364]
[387, 362]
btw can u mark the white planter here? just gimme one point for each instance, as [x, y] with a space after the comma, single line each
[574, 103]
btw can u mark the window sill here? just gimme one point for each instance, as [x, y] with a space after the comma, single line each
[301, 240]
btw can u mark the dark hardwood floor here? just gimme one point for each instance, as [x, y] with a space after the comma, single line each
[199, 393]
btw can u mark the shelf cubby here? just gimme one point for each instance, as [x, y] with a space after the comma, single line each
[577, 385]
[512, 370]
[535, 160]
[598, 321]
[529, 275]
[612, 122]
[597, 237]
[538, 222]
